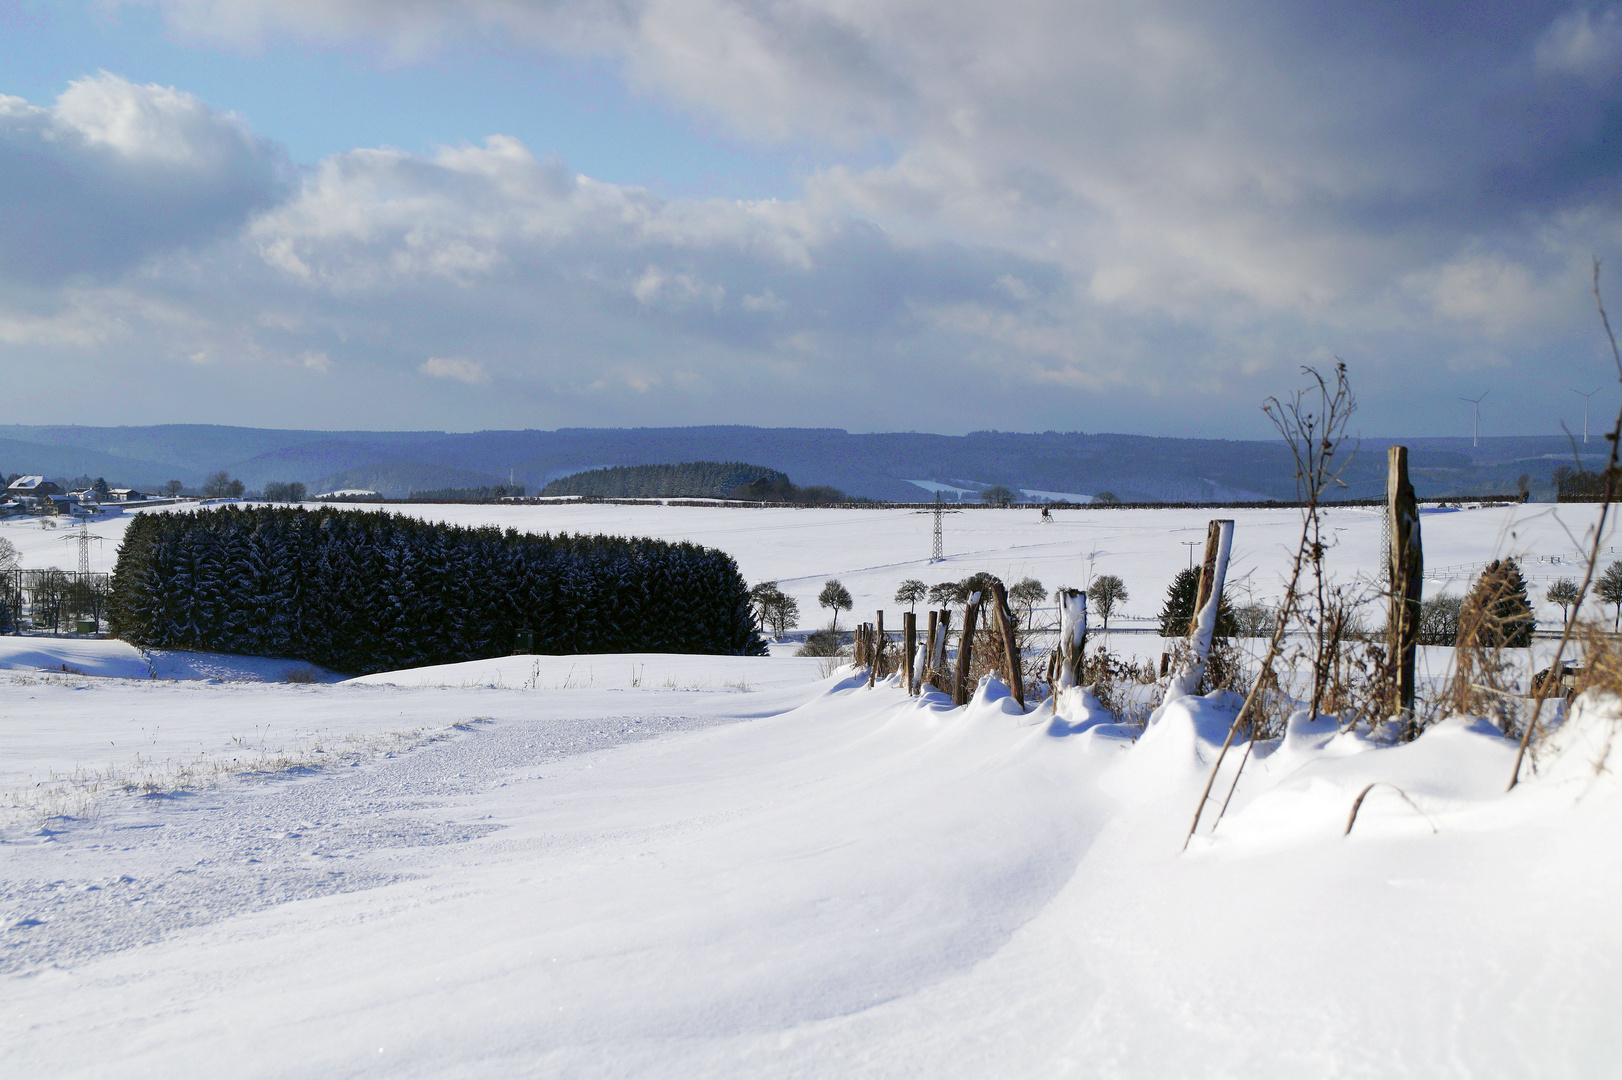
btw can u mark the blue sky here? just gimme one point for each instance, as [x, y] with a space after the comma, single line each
[892, 216]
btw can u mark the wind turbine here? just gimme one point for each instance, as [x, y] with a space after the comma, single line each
[1475, 428]
[1585, 398]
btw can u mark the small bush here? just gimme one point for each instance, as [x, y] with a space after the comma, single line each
[821, 643]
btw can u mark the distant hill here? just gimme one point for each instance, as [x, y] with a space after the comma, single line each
[688, 480]
[900, 466]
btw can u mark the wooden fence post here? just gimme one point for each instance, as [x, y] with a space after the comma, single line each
[1072, 639]
[960, 690]
[1010, 648]
[878, 650]
[909, 632]
[1406, 576]
[1207, 606]
[937, 665]
[926, 670]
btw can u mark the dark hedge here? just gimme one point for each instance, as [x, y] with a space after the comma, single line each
[362, 591]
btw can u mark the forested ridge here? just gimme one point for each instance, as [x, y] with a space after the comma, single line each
[686, 480]
[362, 591]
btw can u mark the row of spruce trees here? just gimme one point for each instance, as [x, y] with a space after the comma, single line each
[372, 591]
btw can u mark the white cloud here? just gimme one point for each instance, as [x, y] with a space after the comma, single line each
[1583, 43]
[114, 173]
[445, 367]
[1151, 197]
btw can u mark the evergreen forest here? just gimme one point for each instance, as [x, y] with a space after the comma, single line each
[367, 591]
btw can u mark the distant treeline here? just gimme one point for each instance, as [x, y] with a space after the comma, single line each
[690, 480]
[361, 591]
[493, 493]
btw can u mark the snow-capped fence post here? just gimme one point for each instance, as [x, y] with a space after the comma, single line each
[1406, 575]
[909, 633]
[1072, 638]
[1010, 647]
[965, 650]
[1208, 601]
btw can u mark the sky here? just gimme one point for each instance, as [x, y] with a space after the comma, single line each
[889, 215]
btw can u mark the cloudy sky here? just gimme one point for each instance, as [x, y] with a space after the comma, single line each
[930, 215]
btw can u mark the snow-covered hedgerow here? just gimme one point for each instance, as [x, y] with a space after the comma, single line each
[370, 591]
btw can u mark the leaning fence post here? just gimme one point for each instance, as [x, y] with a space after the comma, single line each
[1010, 648]
[878, 650]
[909, 632]
[960, 678]
[1406, 575]
[926, 669]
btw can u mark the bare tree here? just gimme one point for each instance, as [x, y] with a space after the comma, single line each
[835, 597]
[1609, 590]
[910, 592]
[1564, 592]
[1107, 592]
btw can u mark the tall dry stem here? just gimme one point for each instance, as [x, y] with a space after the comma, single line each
[1314, 432]
[1614, 437]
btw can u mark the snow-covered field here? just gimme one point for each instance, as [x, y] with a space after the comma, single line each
[712, 866]
[873, 551]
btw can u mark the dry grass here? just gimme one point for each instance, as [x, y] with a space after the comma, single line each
[81, 793]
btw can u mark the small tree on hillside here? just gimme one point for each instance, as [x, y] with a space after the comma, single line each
[777, 610]
[976, 583]
[1107, 593]
[997, 495]
[947, 594]
[911, 591]
[220, 486]
[1108, 498]
[836, 597]
[1609, 590]
[1025, 595]
[172, 488]
[1565, 593]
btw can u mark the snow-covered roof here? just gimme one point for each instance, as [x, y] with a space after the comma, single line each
[26, 483]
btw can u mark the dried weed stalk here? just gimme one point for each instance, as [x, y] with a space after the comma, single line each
[1614, 436]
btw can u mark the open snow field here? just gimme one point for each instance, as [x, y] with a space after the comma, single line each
[872, 551]
[727, 866]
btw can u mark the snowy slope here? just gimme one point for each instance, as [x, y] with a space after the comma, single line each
[818, 880]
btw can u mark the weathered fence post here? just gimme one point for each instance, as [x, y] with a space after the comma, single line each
[1208, 602]
[1010, 648]
[1406, 575]
[909, 632]
[965, 650]
[926, 666]
[937, 674]
[1072, 638]
[878, 649]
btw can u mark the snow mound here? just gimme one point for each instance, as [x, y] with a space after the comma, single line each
[107, 658]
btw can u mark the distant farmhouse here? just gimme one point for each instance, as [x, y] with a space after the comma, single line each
[37, 495]
[34, 487]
